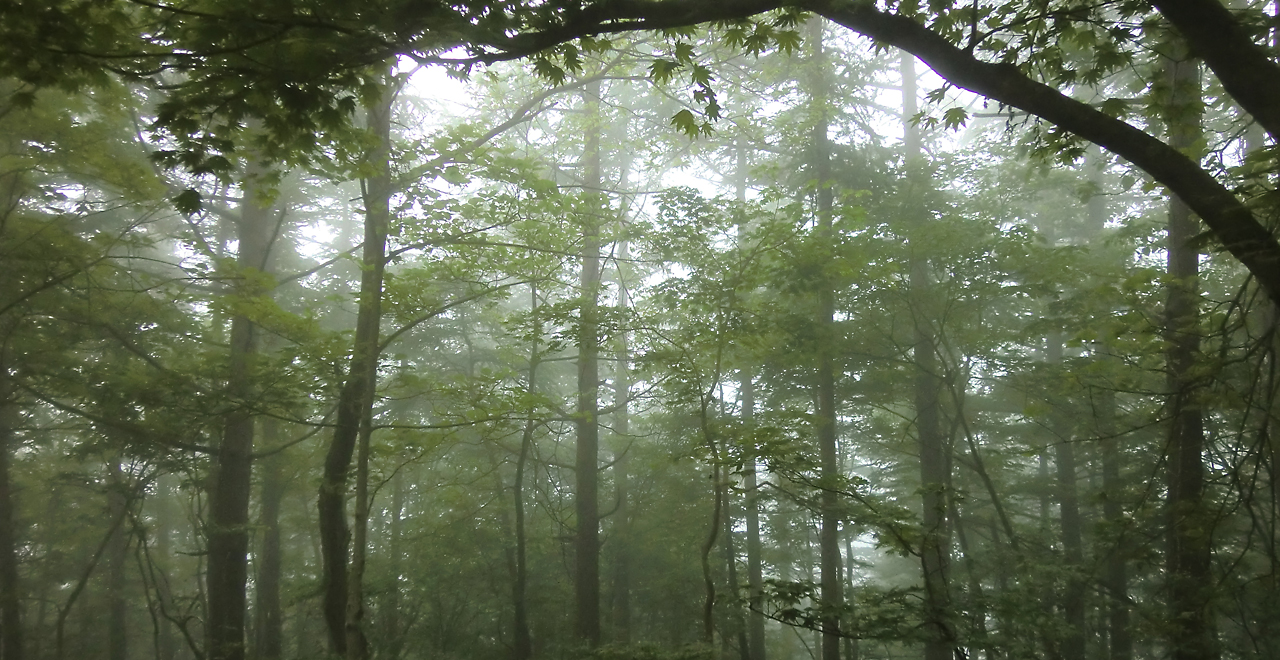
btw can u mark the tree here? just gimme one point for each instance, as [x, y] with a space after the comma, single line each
[865, 308]
[343, 597]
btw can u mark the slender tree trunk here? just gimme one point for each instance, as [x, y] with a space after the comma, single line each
[389, 614]
[755, 563]
[166, 493]
[586, 504]
[734, 628]
[1115, 574]
[935, 548]
[1073, 605]
[825, 418]
[117, 560]
[852, 648]
[1189, 576]
[12, 188]
[622, 429]
[977, 599]
[357, 644]
[356, 399]
[708, 584]
[523, 647]
[1116, 577]
[268, 644]
[228, 525]
[746, 388]
[11, 644]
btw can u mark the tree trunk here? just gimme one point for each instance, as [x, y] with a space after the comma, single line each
[389, 612]
[1115, 574]
[356, 397]
[825, 417]
[523, 647]
[708, 584]
[746, 388]
[1073, 610]
[935, 550]
[158, 562]
[269, 640]
[1189, 576]
[10, 602]
[357, 644]
[117, 559]
[231, 481]
[586, 466]
[852, 648]
[1116, 578]
[622, 429]
[734, 628]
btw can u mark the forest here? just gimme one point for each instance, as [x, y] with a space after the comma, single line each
[639, 330]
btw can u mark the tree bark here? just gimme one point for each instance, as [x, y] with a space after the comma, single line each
[1073, 605]
[747, 390]
[586, 466]
[825, 417]
[1116, 577]
[734, 629]
[269, 636]
[390, 623]
[356, 397]
[935, 542]
[117, 560]
[523, 647]
[1245, 69]
[357, 643]
[228, 525]
[1189, 553]
[11, 639]
[622, 429]
[1115, 574]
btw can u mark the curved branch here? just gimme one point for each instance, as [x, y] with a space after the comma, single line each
[1246, 71]
[1226, 216]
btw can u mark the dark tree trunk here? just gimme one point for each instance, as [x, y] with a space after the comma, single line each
[269, 633]
[10, 602]
[586, 466]
[935, 541]
[117, 560]
[1189, 576]
[357, 644]
[734, 629]
[717, 489]
[228, 524]
[356, 397]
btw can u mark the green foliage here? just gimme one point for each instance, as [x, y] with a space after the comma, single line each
[651, 652]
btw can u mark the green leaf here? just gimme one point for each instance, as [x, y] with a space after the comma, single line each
[663, 70]
[685, 122]
[189, 201]
[955, 118]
